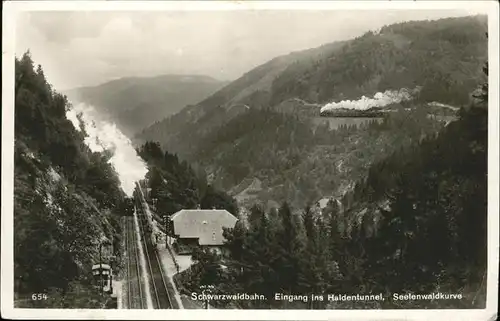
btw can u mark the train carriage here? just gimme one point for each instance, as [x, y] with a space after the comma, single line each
[103, 277]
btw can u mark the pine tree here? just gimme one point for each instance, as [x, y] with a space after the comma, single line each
[291, 249]
[308, 221]
[332, 212]
[256, 212]
[206, 270]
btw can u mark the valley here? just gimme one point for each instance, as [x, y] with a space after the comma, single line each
[202, 134]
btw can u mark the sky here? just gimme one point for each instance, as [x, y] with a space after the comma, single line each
[85, 48]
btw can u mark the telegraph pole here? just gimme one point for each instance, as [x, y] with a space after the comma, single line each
[100, 267]
[165, 223]
[112, 264]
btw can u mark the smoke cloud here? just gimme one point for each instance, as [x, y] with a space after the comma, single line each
[102, 135]
[379, 100]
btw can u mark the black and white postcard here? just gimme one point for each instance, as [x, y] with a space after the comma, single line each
[250, 160]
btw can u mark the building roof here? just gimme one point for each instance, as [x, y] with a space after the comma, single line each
[206, 225]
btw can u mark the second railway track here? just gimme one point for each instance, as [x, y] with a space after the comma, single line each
[135, 295]
[160, 292]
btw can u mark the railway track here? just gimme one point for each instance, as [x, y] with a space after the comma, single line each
[135, 296]
[160, 291]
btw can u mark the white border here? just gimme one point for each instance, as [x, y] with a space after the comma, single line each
[9, 13]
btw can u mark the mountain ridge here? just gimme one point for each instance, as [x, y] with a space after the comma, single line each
[442, 56]
[134, 103]
[160, 76]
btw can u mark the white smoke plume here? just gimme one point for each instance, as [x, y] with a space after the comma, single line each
[101, 135]
[379, 100]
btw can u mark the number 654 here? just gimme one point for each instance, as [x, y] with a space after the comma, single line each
[39, 296]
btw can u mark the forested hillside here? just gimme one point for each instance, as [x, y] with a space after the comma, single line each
[443, 57]
[296, 162]
[135, 103]
[417, 224]
[252, 88]
[175, 185]
[66, 199]
[264, 131]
